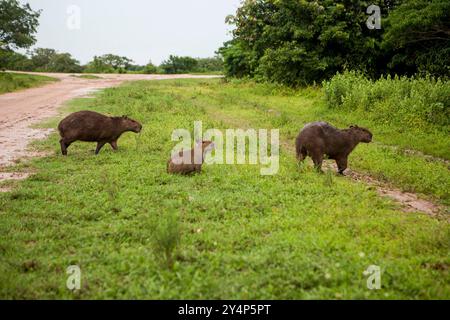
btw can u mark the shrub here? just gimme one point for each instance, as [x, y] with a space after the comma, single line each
[410, 102]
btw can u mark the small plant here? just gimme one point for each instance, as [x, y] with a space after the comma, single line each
[167, 236]
[328, 178]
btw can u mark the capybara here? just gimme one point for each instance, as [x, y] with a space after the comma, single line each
[320, 138]
[189, 165]
[91, 126]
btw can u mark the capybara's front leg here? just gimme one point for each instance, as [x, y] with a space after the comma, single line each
[342, 164]
[100, 145]
[114, 145]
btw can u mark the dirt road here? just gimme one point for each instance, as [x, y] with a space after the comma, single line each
[19, 110]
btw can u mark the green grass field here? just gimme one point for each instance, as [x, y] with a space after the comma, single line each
[10, 82]
[228, 233]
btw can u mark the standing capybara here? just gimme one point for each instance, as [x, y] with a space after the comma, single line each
[91, 126]
[185, 162]
[319, 138]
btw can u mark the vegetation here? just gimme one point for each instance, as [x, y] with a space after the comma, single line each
[298, 43]
[228, 233]
[407, 104]
[10, 82]
[18, 25]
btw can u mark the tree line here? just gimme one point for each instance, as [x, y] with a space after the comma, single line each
[18, 24]
[296, 43]
[49, 60]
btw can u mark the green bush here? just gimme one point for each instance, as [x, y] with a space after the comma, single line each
[411, 102]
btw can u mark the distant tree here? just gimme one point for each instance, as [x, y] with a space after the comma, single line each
[176, 64]
[49, 60]
[63, 62]
[41, 57]
[18, 25]
[15, 61]
[214, 64]
[109, 63]
[150, 68]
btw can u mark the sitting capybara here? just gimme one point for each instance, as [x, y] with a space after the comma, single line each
[91, 126]
[319, 138]
[183, 164]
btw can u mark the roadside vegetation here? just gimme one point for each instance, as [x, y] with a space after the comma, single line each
[10, 82]
[228, 233]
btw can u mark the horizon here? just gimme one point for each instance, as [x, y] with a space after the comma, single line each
[149, 30]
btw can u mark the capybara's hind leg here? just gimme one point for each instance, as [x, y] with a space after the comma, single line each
[317, 157]
[99, 146]
[64, 146]
[114, 145]
[342, 164]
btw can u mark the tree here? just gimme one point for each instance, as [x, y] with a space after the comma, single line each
[63, 62]
[300, 42]
[109, 63]
[18, 25]
[176, 64]
[49, 60]
[418, 34]
[41, 58]
[150, 68]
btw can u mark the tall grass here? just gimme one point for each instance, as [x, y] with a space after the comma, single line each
[409, 102]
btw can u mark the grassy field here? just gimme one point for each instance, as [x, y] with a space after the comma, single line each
[228, 233]
[10, 82]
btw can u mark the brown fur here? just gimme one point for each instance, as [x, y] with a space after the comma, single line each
[188, 168]
[91, 126]
[320, 138]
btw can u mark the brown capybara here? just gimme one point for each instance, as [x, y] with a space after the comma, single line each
[320, 138]
[91, 126]
[193, 165]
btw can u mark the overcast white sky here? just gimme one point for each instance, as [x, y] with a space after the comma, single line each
[142, 30]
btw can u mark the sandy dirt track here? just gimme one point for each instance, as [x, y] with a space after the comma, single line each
[21, 109]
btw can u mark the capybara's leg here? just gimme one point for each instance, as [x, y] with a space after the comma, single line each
[114, 145]
[342, 164]
[63, 147]
[100, 145]
[301, 153]
[317, 157]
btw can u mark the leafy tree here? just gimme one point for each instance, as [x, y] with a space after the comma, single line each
[109, 63]
[214, 64]
[48, 60]
[150, 68]
[18, 25]
[418, 33]
[176, 64]
[41, 57]
[298, 42]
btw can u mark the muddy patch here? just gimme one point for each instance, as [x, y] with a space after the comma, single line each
[410, 202]
[12, 176]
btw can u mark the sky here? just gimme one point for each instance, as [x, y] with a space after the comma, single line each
[142, 30]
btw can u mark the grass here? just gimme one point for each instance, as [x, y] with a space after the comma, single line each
[10, 82]
[228, 233]
[86, 76]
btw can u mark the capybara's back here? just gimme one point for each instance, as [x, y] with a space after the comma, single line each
[84, 126]
[91, 126]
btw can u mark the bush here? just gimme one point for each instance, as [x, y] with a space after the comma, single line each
[410, 102]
